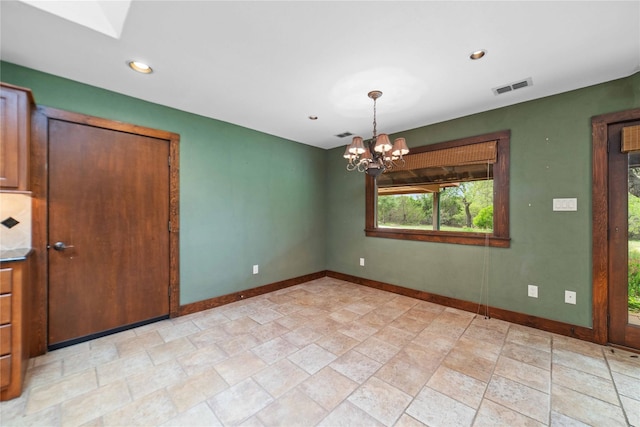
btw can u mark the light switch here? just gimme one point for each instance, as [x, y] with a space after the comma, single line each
[565, 204]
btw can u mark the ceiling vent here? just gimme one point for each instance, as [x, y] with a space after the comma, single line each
[513, 86]
[344, 134]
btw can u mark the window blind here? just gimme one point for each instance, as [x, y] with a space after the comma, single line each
[630, 138]
[473, 154]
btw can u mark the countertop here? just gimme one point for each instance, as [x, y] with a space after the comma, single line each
[21, 254]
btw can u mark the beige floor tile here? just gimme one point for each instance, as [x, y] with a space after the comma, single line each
[380, 400]
[528, 355]
[279, 413]
[458, 386]
[210, 318]
[491, 414]
[123, 367]
[178, 331]
[265, 315]
[408, 421]
[199, 415]
[357, 330]
[626, 385]
[344, 315]
[328, 387]
[202, 359]
[401, 301]
[179, 371]
[198, 388]
[624, 362]
[410, 369]
[274, 350]
[436, 409]
[238, 344]
[139, 343]
[268, 331]
[302, 336]
[470, 364]
[61, 353]
[337, 343]
[239, 367]
[356, 366]
[170, 350]
[153, 409]
[239, 402]
[485, 348]
[89, 359]
[43, 374]
[312, 358]
[561, 420]
[529, 337]
[155, 378]
[577, 346]
[438, 343]
[584, 408]
[632, 409]
[394, 336]
[485, 333]
[377, 350]
[95, 403]
[111, 339]
[42, 397]
[409, 324]
[588, 384]
[518, 397]
[46, 417]
[280, 377]
[591, 365]
[242, 325]
[349, 415]
[292, 321]
[529, 375]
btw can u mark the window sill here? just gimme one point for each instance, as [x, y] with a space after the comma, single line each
[476, 239]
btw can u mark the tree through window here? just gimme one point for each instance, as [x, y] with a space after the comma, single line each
[454, 192]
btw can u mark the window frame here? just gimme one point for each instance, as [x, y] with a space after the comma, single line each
[500, 237]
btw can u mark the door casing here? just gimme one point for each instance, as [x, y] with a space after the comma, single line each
[600, 224]
[39, 188]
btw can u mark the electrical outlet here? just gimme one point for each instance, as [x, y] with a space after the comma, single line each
[255, 269]
[533, 291]
[569, 297]
[361, 262]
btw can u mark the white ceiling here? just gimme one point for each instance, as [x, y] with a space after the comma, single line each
[269, 65]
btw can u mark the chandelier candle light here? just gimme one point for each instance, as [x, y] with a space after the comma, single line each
[376, 155]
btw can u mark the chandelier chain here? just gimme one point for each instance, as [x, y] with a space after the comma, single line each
[375, 134]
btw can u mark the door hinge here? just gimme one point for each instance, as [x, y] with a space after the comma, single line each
[608, 320]
[608, 145]
[169, 161]
[170, 226]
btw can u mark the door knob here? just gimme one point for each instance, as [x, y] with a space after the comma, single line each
[60, 246]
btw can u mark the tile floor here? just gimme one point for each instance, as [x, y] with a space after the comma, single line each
[330, 353]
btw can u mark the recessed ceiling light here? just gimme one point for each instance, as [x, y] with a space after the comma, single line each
[477, 54]
[313, 117]
[140, 67]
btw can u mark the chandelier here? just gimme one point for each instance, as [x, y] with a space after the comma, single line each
[376, 155]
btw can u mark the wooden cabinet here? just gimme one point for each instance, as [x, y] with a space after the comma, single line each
[15, 132]
[14, 344]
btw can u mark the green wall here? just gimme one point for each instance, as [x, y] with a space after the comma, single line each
[245, 197]
[550, 158]
[294, 209]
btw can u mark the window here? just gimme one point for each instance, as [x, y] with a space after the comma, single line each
[451, 192]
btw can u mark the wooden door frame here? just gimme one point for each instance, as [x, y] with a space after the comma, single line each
[40, 196]
[600, 212]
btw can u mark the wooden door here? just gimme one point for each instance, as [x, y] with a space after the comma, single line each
[108, 222]
[624, 240]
